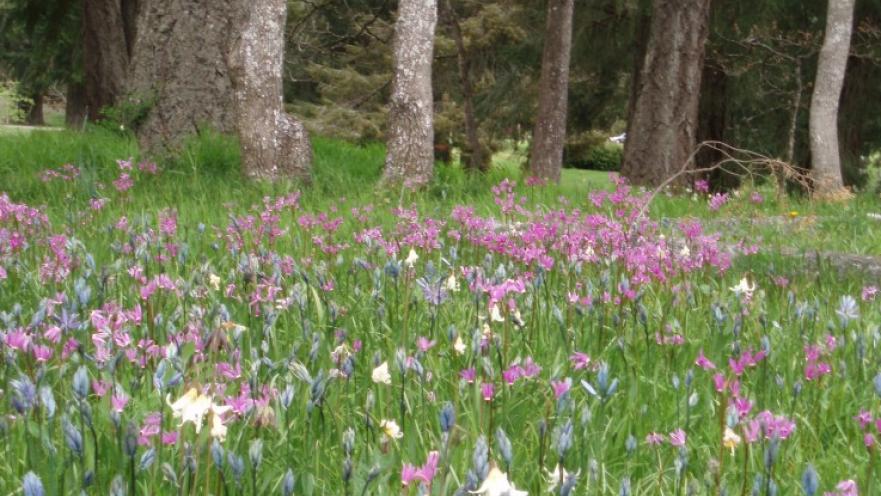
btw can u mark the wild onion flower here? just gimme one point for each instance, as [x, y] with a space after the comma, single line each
[845, 488]
[703, 362]
[424, 474]
[654, 438]
[561, 387]
[487, 391]
[678, 438]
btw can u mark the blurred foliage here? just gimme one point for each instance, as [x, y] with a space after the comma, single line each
[338, 69]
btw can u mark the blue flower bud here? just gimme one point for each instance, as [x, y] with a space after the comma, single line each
[48, 401]
[625, 487]
[131, 440]
[24, 394]
[810, 481]
[237, 464]
[32, 485]
[447, 417]
[287, 484]
[563, 439]
[147, 459]
[877, 383]
[630, 444]
[255, 453]
[72, 437]
[504, 446]
[217, 454]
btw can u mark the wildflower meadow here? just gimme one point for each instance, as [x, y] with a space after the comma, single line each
[527, 343]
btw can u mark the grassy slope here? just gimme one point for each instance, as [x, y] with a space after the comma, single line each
[205, 175]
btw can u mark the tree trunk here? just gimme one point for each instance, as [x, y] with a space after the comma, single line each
[274, 144]
[549, 135]
[75, 105]
[664, 123]
[129, 11]
[178, 73]
[474, 157]
[410, 157]
[34, 115]
[852, 117]
[105, 53]
[712, 119]
[831, 67]
[640, 44]
[792, 134]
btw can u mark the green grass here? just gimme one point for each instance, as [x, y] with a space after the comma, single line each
[207, 169]
[378, 303]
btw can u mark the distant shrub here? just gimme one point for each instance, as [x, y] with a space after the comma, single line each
[592, 150]
[606, 157]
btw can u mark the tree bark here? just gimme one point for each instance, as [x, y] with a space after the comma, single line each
[178, 73]
[831, 66]
[852, 117]
[712, 120]
[662, 131]
[792, 134]
[34, 115]
[410, 157]
[75, 105]
[106, 52]
[549, 134]
[274, 144]
[474, 157]
[640, 44]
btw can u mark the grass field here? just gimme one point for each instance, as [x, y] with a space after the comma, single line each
[181, 331]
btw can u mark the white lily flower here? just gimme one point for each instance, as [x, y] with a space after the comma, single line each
[556, 476]
[411, 258]
[497, 484]
[452, 284]
[459, 346]
[193, 406]
[381, 374]
[391, 429]
[744, 288]
[495, 315]
[730, 439]
[218, 429]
